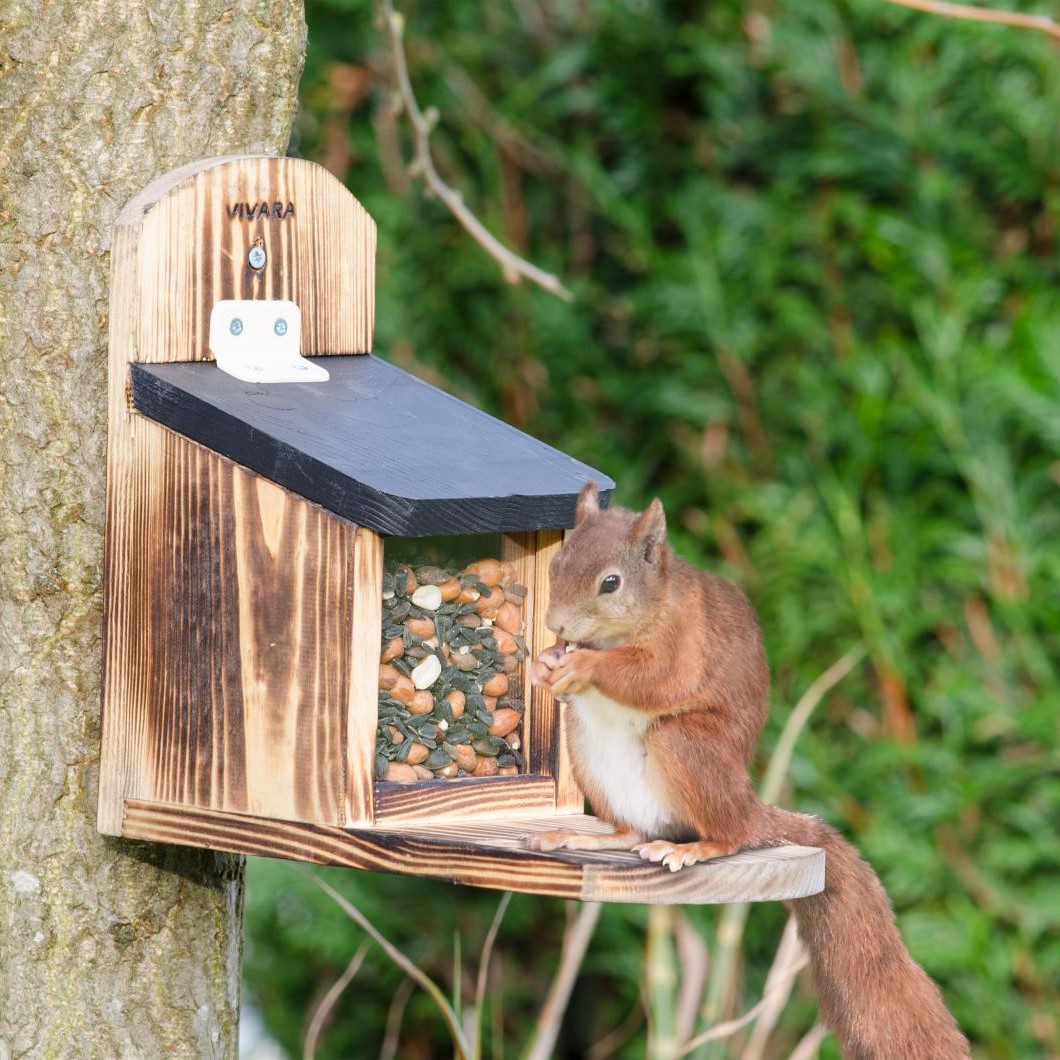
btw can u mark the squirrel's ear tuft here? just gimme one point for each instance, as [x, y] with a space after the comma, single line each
[588, 502]
[649, 531]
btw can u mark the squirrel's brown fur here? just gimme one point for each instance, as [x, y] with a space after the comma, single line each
[672, 658]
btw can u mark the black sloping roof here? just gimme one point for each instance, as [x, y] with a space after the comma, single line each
[374, 445]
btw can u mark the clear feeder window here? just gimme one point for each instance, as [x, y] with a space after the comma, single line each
[452, 661]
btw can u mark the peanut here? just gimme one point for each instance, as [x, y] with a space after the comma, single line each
[424, 675]
[509, 618]
[465, 758]
[418, 753]
[488, 571]
[497, 685]
[505, 720]
[422, 703]
[403, 689]
[399, 773]
[421, 627]
[428, 597]
[487, 605]
[506, 644]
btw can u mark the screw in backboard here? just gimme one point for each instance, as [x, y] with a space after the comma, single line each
[257, 257]
[236, 327]
[280, 327]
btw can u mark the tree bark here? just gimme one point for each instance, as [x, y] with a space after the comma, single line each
[107, 948]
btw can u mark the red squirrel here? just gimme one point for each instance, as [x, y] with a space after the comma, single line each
[666, 678]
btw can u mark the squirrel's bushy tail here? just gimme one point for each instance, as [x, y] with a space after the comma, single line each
[879, 1002]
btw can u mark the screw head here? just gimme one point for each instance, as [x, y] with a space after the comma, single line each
[257, 257]
[280, 327]
[236, 327]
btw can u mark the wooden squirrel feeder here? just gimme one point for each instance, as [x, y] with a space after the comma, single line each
[247, 522]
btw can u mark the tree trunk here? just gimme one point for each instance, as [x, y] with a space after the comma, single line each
[107, 948]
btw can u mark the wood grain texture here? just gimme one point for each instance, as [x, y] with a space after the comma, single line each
[520, 550]
[547, 751]
[375, 445]
[400, 851]
[490, 854]
[569, 797]
[228, 652]
[194, 230]
[227, 600]
[366, 620]
[542, 729]
[463, 799]
[622, 876]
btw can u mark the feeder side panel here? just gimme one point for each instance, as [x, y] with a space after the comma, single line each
[362, 707]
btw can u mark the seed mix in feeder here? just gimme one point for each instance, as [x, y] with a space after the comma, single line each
[450, 689]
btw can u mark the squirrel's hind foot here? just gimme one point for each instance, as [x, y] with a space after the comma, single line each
[677, 855]
[568, 839]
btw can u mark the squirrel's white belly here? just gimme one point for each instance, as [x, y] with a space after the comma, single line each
[608, 741]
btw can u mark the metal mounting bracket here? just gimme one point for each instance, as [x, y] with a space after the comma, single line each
[260, 342]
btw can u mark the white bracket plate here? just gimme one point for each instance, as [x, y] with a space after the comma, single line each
[260, 342]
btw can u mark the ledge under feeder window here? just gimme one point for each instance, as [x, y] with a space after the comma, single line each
[322, 596]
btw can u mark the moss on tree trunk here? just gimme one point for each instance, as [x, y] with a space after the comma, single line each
[107, 948]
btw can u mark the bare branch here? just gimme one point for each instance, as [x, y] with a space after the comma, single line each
[1042, 23]
[483, 972]
[807, 704]
[694, 958]
[810, 1043]
[394, 1017]
[413, 971]
[782, 985]
[323, 1010]
[777, 989]
[609, 1044]
[513, 267]
[575, 942]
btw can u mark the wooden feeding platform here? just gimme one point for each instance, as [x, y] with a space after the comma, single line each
[251, 527]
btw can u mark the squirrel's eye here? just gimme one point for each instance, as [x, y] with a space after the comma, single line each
[610, 583]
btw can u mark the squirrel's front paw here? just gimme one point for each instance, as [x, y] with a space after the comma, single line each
[545, 663]
[573, 673]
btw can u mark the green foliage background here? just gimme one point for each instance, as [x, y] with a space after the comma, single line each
[814, 252]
